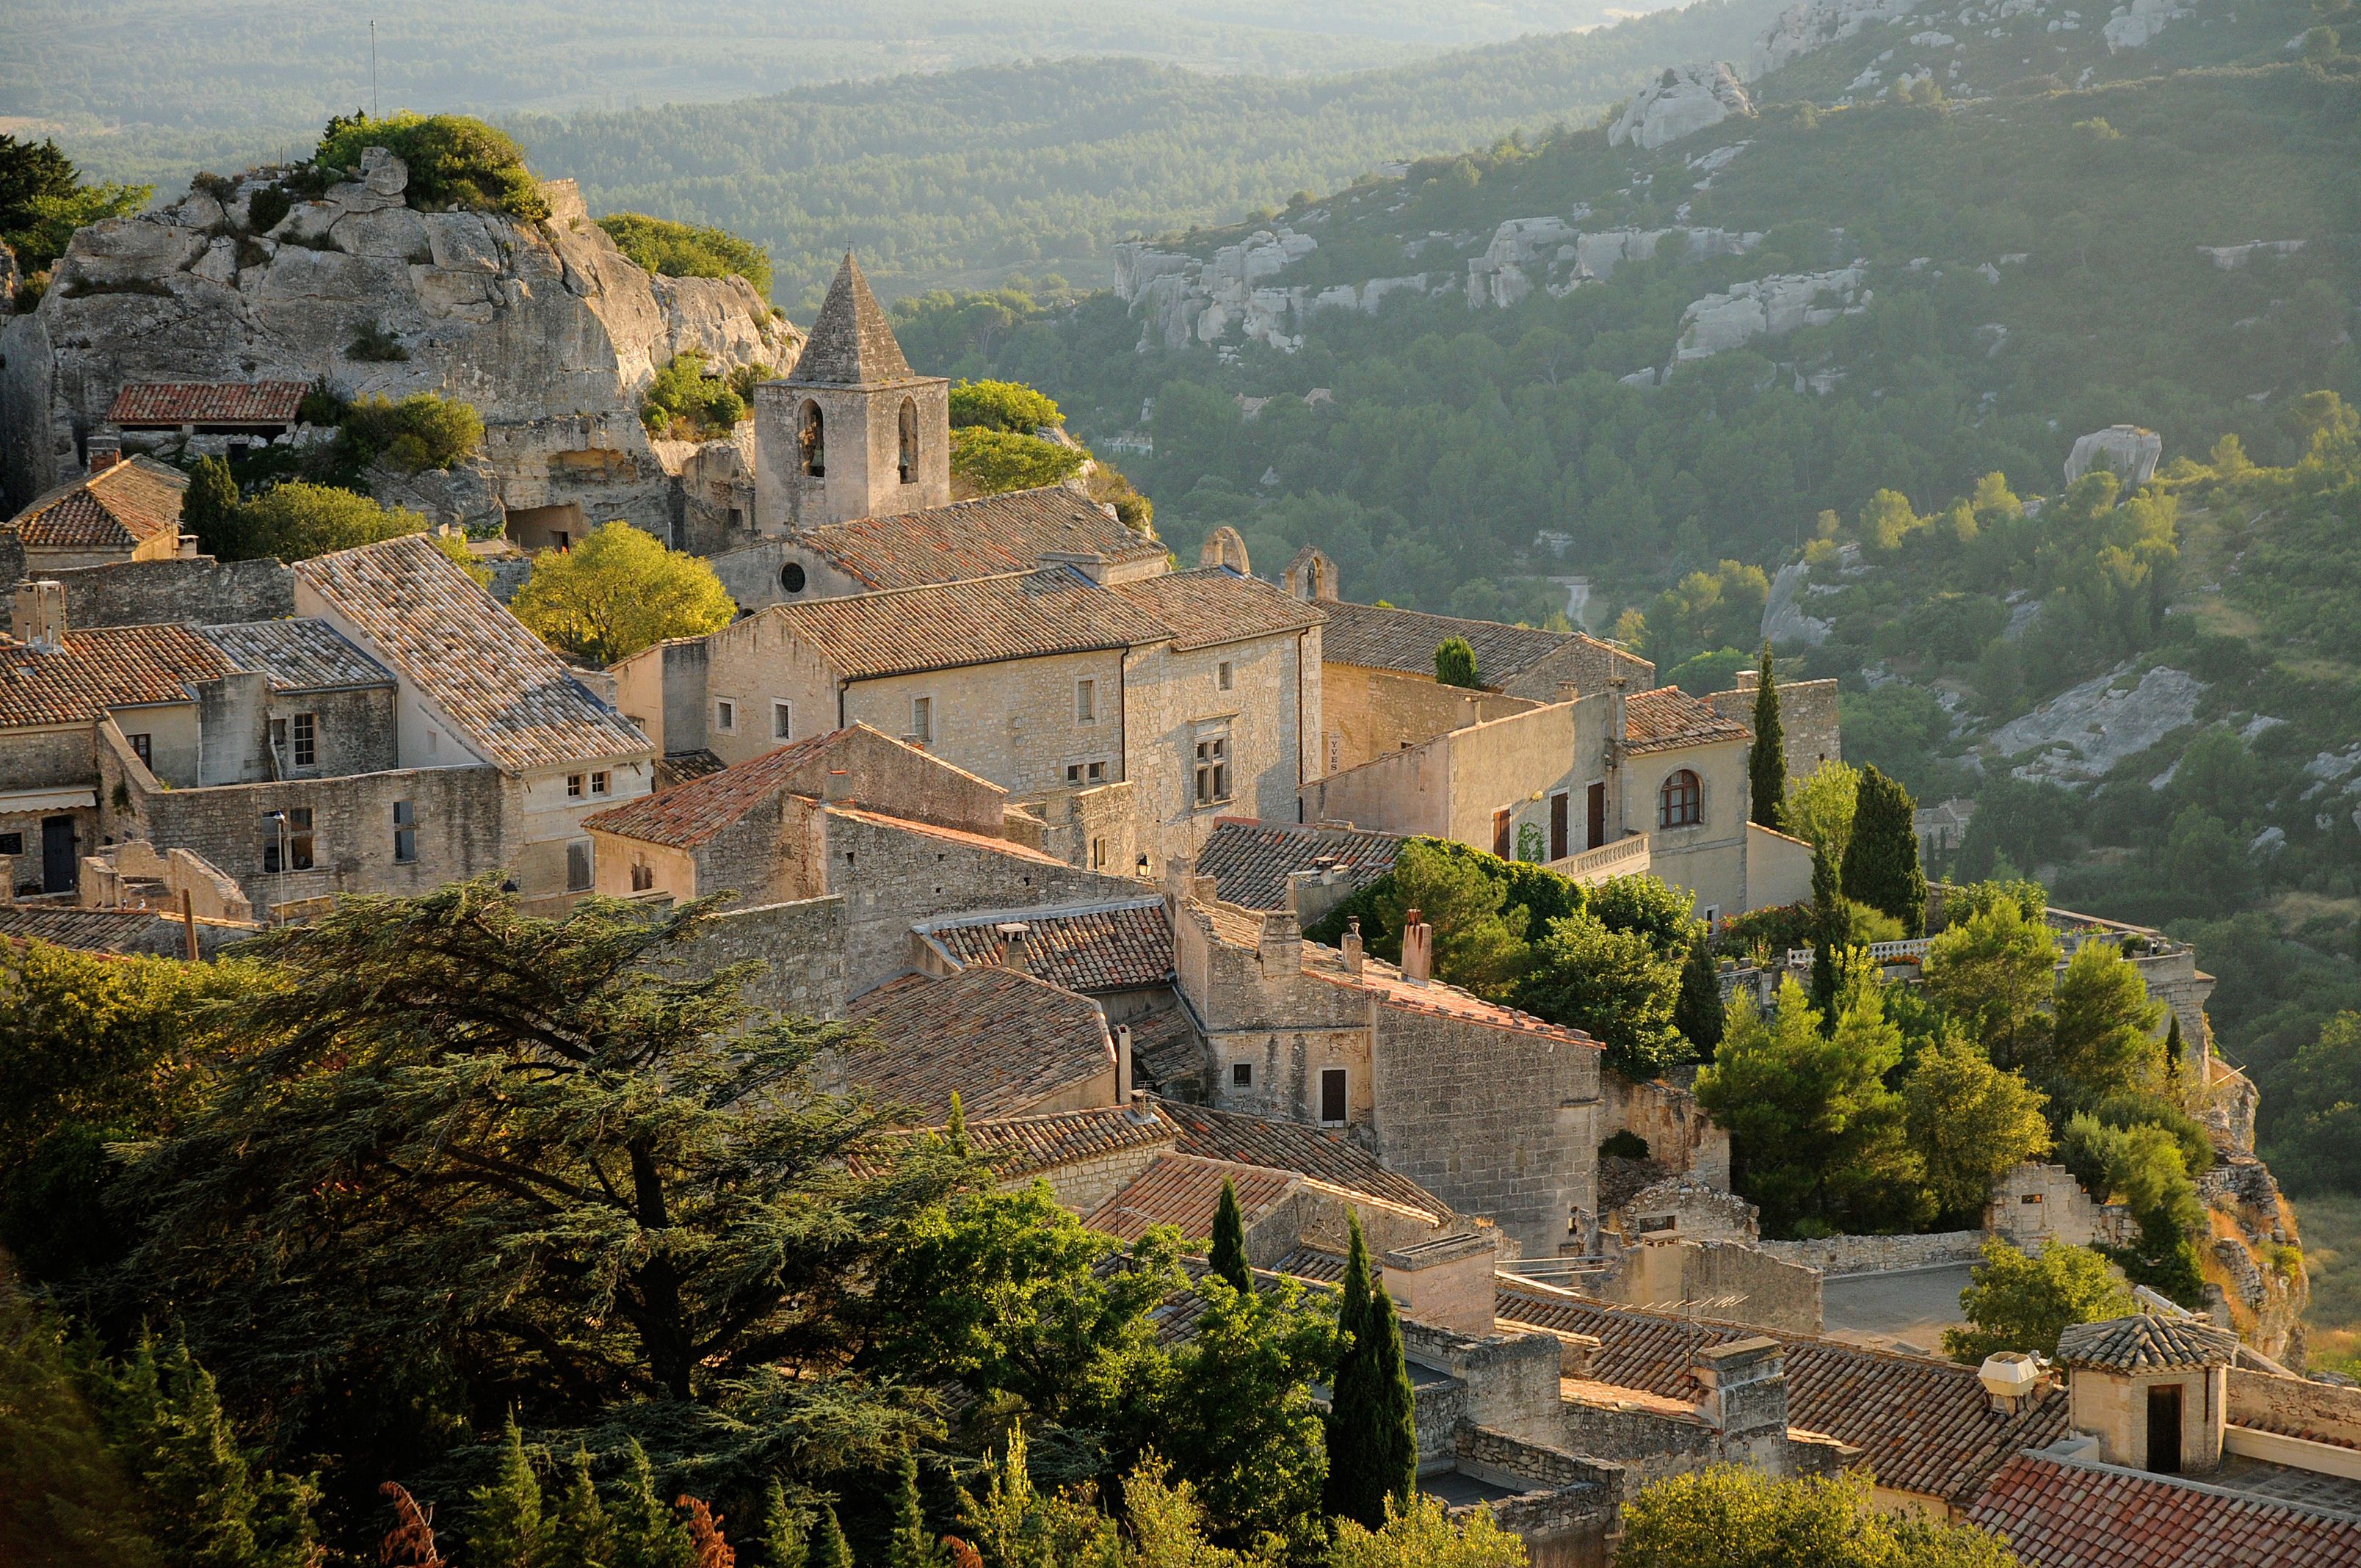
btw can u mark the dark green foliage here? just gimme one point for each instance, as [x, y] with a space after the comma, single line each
[506, 1528]
[1228, 1257]
[455, 161]
[1616, 985]
[1623, 1144]
[647, 1534]
[423, 431]
[688, 250]
[43, 201]
[687, 402]
[1881, 862]
[2173, 1047]
[30, 171]
[828, 1548]
[1236, 1418]
[908, 1542]
[785, 1543]
[582, 1532]
[268, 207]
[1455, 663]
[1831, 933]
[67, 1503]
[372, 343]
[1697, 1013]
[2022, 1302]
[1372, 1443]
[1003, 405]
[210, 511]
[1767, 763]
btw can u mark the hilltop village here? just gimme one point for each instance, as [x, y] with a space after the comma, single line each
[1108, 866]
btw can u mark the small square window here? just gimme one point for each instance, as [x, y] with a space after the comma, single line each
[1098, 854]
[598, 785]
[922, 720]
[143, 747]
[1095, 772]
[1086, 702]
[1073, 773]
[287, 841]
[725, 717]
[574, 786]
[12, 843]
[307, 739]
[783, 721]
[643, 876]
[1226, 675]
[1242, 1075]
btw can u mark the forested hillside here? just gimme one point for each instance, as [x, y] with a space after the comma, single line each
[1041, 166]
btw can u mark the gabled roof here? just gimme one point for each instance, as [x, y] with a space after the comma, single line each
[304, 653]
[2060, 1513]
[1214, 605]
[1250, 861]
[178, 403]
[1326, 1156]
[1667, 717]
[1020, 615]
[1923, 1425]
[122, 506]
[689, 814]
[102, 668]
[1105, 947]
[1184, 1192]
[1003, 1041]
[1019, 1147]
[1381, 637]
[2146, 1344]
[421, 615]
[850, 344]
[979, 538]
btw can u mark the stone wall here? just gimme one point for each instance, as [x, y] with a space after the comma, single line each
[800, 943]
[1648, 1439]
[2037, 1203]
[1835, 1256]
[1082, 1185]
[1368, 713]
[2324, 1412]
[1680, 1136]
[1511, 1379]
[1568, 1516]
[1687, 1208]
[199, 591]
[1775, 1293]
[1809, 730]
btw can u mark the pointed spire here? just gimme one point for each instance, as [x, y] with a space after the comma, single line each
[851, 343]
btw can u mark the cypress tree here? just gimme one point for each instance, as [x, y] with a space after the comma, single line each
[1455, 663]
[209, 509]
[1372, 1436]
[784, 1545]
[1881, 862]
[2173, 1047]
[827, 1547]
[1830, 928]
[1338, 1496]
[1766, 764]
[1229, 1256]
[955, 1132]
[505, 1528]
[1697, 1014]
[581, 1536]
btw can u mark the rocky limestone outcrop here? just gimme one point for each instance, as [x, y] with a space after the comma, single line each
[544, 327]
[2230, 258]
[2133, 453]
[1185, 298]
[1552, 254]
[1682, 100]
[2084, 731]
[2137, 24]
[1784, 617]
[1775, 305]
[2256, 1255]
[1816, 24]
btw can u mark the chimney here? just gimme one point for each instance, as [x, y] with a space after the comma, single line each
[1615, 718]
[40, 618]
[105, 452]
[1282, 945]
[1014, 940]
[1746, 1382]
[1352, 946]
[837, 787]
[1417, 949]
[1088, 562]
[2010, 1377]
[1203, 889]
[1446, 1283]
[1122, 1064]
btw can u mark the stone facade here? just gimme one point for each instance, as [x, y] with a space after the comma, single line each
[1838, 1255]
[1772, 1292]
[198, 591]
[1809, 726]
[1372, 713]
[2036, 1204]
[800, 944]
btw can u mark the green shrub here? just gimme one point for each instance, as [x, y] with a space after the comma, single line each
[322, 405]
[991, 461]
[295, 521]
[374, 343]
[268, 207]
[455, 161]
[686, 403]
[688, 250]
[421, 431]
[1003, 405]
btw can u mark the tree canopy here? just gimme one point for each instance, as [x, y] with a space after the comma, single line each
[618, 591]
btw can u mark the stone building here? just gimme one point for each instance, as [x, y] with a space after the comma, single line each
[124, 510]
[1810, 730]
[207, 417]
[1005, 1042]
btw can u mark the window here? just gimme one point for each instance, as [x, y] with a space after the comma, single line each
[12, 843]
[725, 717]
[278, 735]
[1086, 702]
[405, 833]
[577, 866]
[307, 739]
[922, 720]
[909, 444]
[1242, 1075]
[1332, 1095]
[811, 443]
[143, 748]
[783, 721]
[598, 784]
[2030, 1197]
[737, 516]
[434, 741]
[643, 876]
[289, 831]
[1212, 770]
[1500, 846]
[1223, 674]
[1681, 803]
[1085, 772]
[1098, 854]
[791, 577]
[574, 786]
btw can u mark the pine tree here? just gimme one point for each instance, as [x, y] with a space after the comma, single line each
[1766, 764]
[783, 1542]
[1697, 1013]
[1881, 862]
[646, 1533]
[1229, 1255]
[2173, 1047]
[505, 1526]
[1832, 927]
[1346, 1445]
[1372, 1438]
[581, 1536]
[908, 1545]
[828, 1548]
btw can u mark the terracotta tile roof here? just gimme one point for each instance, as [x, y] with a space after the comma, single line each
[512, 699]
[1214, 605]
[689, 814]
[1311, 1262]
[122, 506]
[1386, 639]
[302, 654]
[102, 668]
[1004, 1042]
[1923, 1425]
[1021, 615]
[1166, 1055]
[1250, 861]
[1668, 717]
[1020, 1146]
[90, 930]
[1331, 1157]
[1434, 998]
[2058, 1513]
[851, 343]
[2146, 1344]
[1184, 1191]
[981, 538]
[176, 403]
[679, 767]
[1110, 946]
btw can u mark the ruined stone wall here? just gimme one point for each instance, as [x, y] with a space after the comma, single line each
[1777, 1294]
[199, 591]
[2324, 1412]
[1680, 1136]
[1649, 1442]
[1837, 1255]
[800, 943]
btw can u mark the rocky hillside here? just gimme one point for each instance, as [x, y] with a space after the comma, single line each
[544, 327]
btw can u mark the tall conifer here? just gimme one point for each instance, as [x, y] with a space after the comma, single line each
[505, 1528]
[646, 1533]
[908, 1545]
[1881, 860]
[1372, 1435]
[1766, 764]
[1697, 1013]
[1831, 928]
[582, 1535]
[1229, 1255]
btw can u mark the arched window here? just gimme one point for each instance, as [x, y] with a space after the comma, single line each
[811, 443]
[909, 440]
[1681, 803]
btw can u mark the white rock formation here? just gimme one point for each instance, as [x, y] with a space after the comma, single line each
[2085, 730]
[1682, 100]
[2229, 257]
[1775, 305]
[1526, 253]
[1184, 298]
[1784, 620]
[1816, 24]
[2136, 26]
[544, 327]
[2131, 452]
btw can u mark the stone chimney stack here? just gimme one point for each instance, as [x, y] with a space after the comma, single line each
[1122, 1064]
[1016, 942]
[1417, 949]
[1446, 1283]
[1352, 947]
[1747, 1401]
[1088, 562]
[40, 616]
[1615, 718]
[105, 452]
[1282, 945]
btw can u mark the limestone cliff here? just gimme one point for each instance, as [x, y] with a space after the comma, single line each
[545, 327]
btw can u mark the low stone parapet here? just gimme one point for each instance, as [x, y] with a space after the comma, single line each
[1838, 1255]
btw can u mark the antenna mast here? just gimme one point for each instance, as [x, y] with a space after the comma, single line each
[376, 105]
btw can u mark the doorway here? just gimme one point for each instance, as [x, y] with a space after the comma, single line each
[1595, 805]
[2164, 1429]
[546, 528]
[1332, 1097]
[1559, 807]
[60, 867]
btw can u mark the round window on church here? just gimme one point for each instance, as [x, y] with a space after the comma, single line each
[791, 577]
